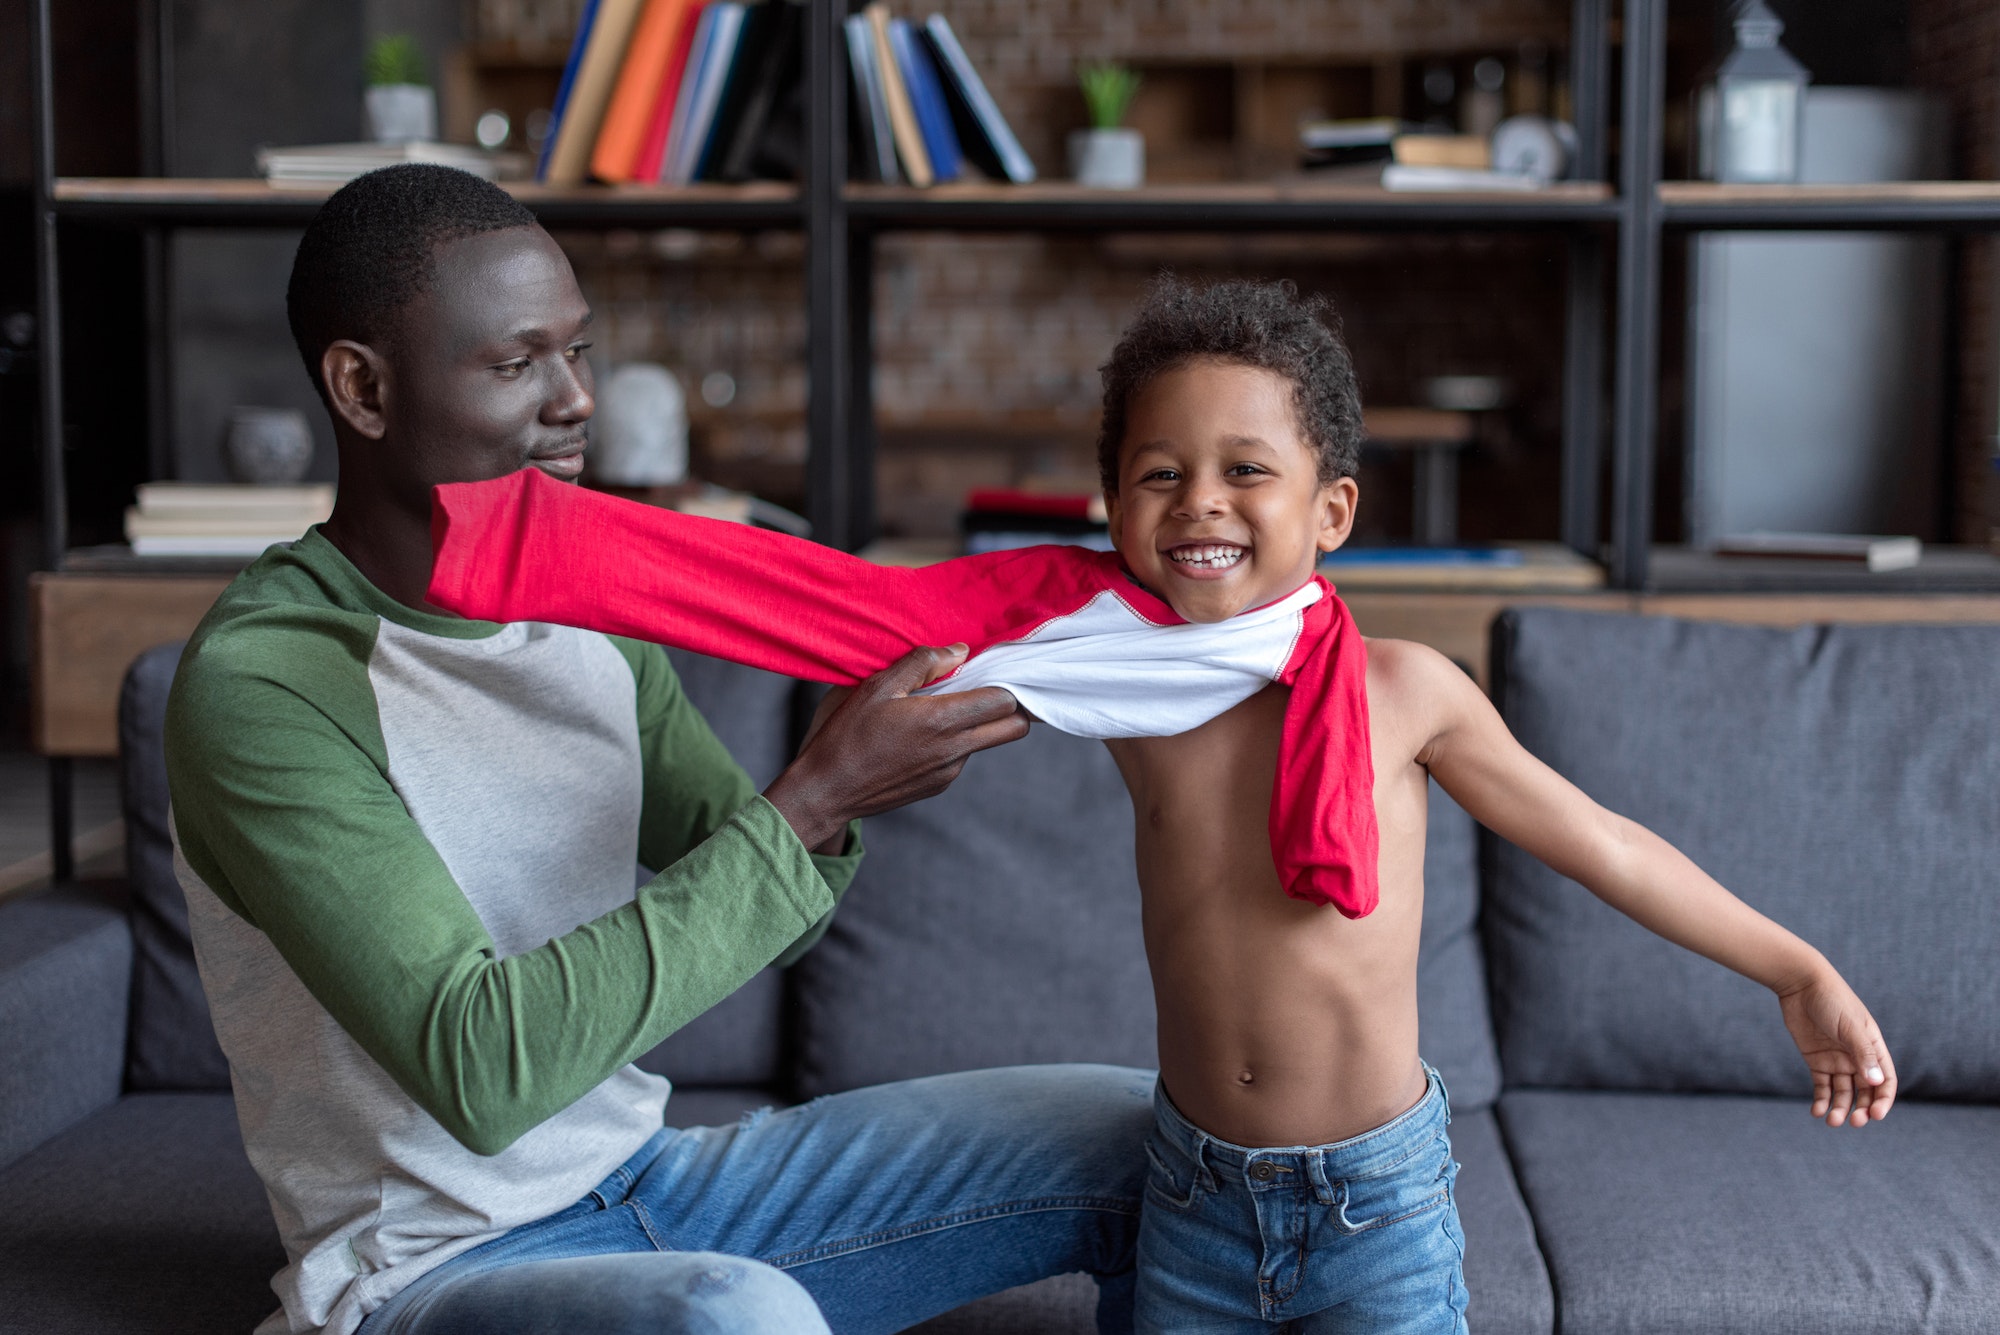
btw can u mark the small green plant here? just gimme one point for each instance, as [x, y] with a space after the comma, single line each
[1108, 88]
[394, 58]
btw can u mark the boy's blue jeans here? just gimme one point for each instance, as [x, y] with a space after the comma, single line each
[1358, 1236]
[869, 1211]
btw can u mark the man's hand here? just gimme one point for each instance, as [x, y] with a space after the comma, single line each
[1854, 1079]
[880, 747]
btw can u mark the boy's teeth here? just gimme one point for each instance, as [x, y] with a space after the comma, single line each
[1208, 558]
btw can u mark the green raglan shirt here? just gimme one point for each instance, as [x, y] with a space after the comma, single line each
[407, 843]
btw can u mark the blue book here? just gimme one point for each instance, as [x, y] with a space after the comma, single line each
[706, 93]
[983, 131]
[582, 40]
[926, 99]
[1423, 556]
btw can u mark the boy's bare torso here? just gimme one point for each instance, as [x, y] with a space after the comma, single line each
[1280, 1022]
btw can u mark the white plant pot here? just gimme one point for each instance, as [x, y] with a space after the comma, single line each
[1108, 159]
[639, 437]
[400, 112]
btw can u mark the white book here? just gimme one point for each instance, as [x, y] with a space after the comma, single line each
[314, 499]
[1404, 176]
[237, 546]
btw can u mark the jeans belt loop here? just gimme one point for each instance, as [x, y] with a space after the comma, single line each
[1323, 1188]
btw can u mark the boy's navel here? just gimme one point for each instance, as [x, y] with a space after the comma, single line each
[1154, 816]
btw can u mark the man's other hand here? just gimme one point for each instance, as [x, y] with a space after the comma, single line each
[881, 747]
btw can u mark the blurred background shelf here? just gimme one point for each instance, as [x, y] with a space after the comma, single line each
[1875, 206]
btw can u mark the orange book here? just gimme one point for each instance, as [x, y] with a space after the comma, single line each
[653, 146]
[630, 113]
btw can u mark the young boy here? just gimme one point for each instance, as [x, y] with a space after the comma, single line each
[1300, 1170]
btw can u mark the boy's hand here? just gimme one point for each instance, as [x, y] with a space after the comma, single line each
[1854, 1079]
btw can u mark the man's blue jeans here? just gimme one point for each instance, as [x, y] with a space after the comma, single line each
[883, 1207]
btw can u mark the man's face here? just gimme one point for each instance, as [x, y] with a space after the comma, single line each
[487, 374]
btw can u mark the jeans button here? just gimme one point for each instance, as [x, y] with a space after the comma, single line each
[1263, 1172]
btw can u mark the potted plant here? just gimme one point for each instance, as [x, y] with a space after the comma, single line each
[1107, 155]
[400, 105]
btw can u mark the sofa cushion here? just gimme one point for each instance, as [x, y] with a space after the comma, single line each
[1705, 1214]
[65, 970]
[1454, 1027]
[146, 1217]
[173, 1040]
[1840, 779]
[995, 924]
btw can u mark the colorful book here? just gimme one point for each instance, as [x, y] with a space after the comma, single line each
[576, 135]
[585, 22]
[704, 38]
[877, 142]
[689, 141]
[902, 118]
[637, 91]
[920, 77]
[982, 131]
[767, 68]
[653, 148]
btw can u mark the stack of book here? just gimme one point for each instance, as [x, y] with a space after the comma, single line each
[1401, 156]
[311, 166]
[998, 519]
[223, 519]
[676, 91]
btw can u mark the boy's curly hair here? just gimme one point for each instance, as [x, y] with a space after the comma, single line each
[1266, 325]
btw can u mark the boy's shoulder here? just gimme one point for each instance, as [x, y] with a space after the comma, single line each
[1412, 688]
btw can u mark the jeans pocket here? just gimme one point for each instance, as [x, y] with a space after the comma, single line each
[1172, 1179]
[1414, 1185]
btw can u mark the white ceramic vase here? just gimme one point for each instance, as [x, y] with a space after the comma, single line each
[400, 112]
[639, 436]
[1108, 159]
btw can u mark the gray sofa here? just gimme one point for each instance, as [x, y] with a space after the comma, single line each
[1637, 1154]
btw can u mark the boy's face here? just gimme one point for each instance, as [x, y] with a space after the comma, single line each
[1219, 507]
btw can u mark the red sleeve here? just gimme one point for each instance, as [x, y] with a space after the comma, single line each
[528, 548]
[1324, 837]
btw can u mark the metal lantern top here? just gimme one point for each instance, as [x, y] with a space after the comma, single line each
[1758, 57]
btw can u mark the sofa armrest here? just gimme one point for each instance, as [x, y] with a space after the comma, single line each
[65, 989]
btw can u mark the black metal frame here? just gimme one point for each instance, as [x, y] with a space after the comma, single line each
[842, 224]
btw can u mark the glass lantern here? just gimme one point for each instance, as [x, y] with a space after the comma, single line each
[1750, 119]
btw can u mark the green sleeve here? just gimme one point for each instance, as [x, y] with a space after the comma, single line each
[693, 784]
[283, 806]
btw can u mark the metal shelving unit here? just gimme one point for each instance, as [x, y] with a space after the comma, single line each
[842, 222]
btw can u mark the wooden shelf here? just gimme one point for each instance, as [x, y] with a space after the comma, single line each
[1225, 205]
[1887, 205]
[1943, 570]
[256, 203]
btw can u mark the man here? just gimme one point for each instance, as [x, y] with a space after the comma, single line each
[407, 844]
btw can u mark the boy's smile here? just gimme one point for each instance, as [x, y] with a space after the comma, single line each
[1219, 507]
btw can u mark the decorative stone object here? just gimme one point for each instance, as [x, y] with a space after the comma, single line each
[639, 437]
[269, 445]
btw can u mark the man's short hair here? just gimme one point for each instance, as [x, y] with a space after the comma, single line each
[370, 248]
[1265, 325]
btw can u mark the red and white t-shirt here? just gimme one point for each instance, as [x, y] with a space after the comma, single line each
[1082, 646]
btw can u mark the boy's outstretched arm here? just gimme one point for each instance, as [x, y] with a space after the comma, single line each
[1477, 760]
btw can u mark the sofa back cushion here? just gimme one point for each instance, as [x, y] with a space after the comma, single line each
[999, 924]
[172, 1041]
[1844, 780]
